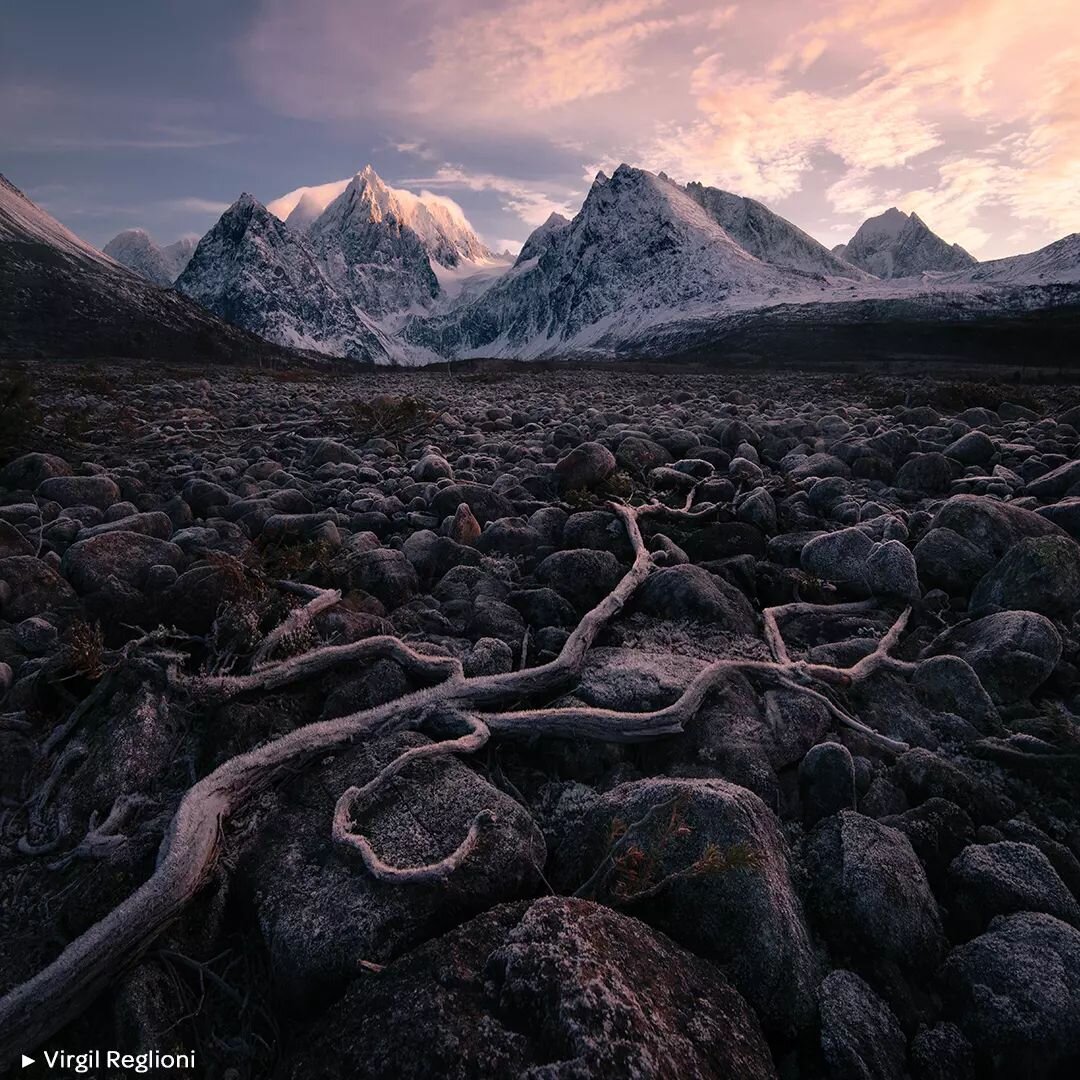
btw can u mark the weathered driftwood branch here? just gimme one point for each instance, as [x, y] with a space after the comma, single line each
[38, 1008]
[296, 621]
[343, 825]
[271, 676]
[35, 1010]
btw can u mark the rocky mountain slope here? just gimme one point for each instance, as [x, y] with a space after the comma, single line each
[899, 245]
[646, 267]
[369, 254]
[136, 249]
[61, 297]
[641, 251]
[768, 236]
[1058, 262]
[255, 271]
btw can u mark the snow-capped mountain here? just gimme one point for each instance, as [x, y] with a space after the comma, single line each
[770, 237]
[442, 228]
[647, 267]
[61, 297]
[178, 254]
[255, 271]
[542, 237]
[135, 249]
[898, 245]
[640, 252]
[1057, 263]
[369, 254]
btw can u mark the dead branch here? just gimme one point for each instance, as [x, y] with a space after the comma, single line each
[344, 822]
[35, 1010]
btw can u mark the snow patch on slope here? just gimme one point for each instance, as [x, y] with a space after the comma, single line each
[22, 220]
[440, 223]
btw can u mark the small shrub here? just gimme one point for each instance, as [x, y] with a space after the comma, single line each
[85, 649]
[388, 416]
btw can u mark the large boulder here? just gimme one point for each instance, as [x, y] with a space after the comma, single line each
[870, 896]
[1012, 652]
[29, 471]
[319, 909]
[586, 466]
[98, 491]
[691, 592]
[1036, 574]
[972, 448]
[860, 1037]
[826, 781]
[582, 575]
[385, 573]
[559, 988]
[34, 587]
[946, 560]
[634, 679]
[126, 556]
[925, 472]
[152, 523]
[1015, 993]
[1064, 480]
[704, 861]
[992, 526]
[1006, 877]
[852, 560]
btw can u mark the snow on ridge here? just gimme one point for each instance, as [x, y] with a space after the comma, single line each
[895, 245]
[440, 223]
[21, 218]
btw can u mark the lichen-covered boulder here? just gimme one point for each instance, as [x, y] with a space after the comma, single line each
[1015, 993]
[1012, 652]
[704, 861]
[321, 912]
[870, 896]
[558, 988]
[1038, 573]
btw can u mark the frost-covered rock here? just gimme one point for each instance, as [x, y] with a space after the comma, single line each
[561, 987]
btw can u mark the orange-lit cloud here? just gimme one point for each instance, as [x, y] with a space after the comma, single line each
[967, 111]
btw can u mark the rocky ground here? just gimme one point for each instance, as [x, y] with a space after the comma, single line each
[548, 724]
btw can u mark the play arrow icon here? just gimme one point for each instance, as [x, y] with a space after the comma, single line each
[27, 1061]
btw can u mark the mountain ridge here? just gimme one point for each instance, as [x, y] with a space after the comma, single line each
[59, 296]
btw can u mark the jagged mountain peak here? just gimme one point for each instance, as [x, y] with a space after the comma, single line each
[246, 204]
[440, 224]
[541, 237]
[640, 252]
[895, 244]
[255, 271]
[370, 254]
[135, 249]
[61, 297]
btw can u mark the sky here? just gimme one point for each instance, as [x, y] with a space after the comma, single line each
[967, 112]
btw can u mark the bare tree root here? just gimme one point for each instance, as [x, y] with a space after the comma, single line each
[295, 623]
[35, 1010]
[429, 873]
[104, 838]
[271, 676]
